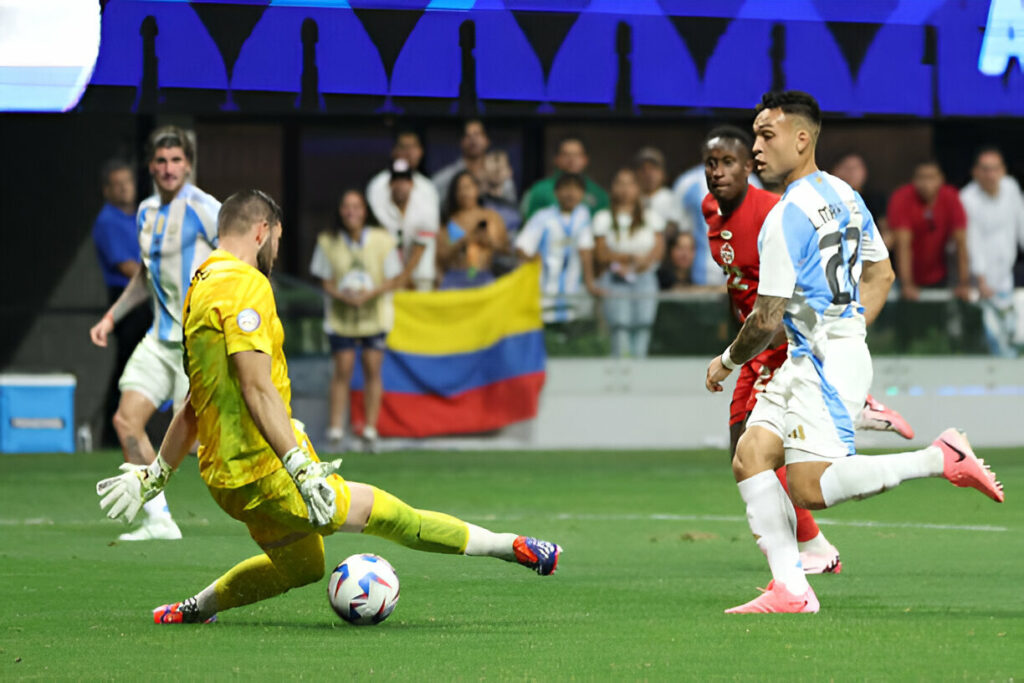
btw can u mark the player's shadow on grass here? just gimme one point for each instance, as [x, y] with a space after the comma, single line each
[424, 624]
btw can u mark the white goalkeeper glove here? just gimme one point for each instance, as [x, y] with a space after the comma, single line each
[123, 495]
[310, 477]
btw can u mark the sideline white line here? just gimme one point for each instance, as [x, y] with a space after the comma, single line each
[99, 521]
[666, 517]
[566, 516]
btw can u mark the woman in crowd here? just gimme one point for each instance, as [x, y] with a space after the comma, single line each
[676, 273]
[629, 243]
[358, 266]
[470, 238]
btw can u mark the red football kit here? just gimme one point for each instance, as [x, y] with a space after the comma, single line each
[733, 242]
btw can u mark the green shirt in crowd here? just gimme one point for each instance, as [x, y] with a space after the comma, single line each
[542, 194]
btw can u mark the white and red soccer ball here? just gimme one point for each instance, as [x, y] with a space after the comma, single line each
[363, 589]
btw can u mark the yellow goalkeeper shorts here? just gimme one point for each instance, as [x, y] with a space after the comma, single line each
[273, 509]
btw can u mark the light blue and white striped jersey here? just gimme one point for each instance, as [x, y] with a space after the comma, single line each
[812, 248]
[557, 239]
[174, 240]
[689, 192]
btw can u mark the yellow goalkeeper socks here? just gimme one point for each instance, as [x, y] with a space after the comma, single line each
[426, 530]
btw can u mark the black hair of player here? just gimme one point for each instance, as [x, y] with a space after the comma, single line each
[794, 102]
[571, 137]
[571, 179]
[729, 132]
[273, 214]
[110, 167]
[167, 137]
[245, 208]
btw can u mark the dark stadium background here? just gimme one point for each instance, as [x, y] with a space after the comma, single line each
[306, 142]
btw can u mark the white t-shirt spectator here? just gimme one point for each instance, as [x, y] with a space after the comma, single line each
[664, 203]
[995, 227]
[624, 241]
[419, 224]
[557, 238]
[378, 192]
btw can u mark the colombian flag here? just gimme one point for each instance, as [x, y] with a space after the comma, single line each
[462, 361]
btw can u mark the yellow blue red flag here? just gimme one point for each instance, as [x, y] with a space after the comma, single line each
[462, 361]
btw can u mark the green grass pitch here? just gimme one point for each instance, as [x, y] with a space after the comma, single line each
[655, 549]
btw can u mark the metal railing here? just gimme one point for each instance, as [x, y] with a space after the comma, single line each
[695, 322]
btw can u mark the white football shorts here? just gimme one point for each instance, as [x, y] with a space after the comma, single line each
[812, 405]
[156, 371]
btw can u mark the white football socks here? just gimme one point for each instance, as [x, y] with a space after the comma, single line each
[818, 545]
[862, 476]
[157, 506]
[773, 523]
[206, 601]
[489, 544]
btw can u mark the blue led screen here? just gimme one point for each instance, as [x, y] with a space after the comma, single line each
[903, 57]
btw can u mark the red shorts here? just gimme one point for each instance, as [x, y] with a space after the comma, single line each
[753, 378]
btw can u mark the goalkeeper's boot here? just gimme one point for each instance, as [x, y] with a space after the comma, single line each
[540, 556]
[186, 612]
[157, 527]
[878, 417]
[963, 468]
[776, 599]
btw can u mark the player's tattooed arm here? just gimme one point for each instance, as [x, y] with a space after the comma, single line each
[758, 329]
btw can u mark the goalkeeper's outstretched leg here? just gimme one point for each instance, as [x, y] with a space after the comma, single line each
[296, 557]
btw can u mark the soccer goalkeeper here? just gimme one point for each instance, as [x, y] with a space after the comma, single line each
[256, 461]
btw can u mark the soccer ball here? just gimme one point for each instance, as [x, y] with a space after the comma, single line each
[356, 280]
[363, 589]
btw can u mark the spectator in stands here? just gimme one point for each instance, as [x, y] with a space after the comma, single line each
[676, 272]
[497, 175]
[474, 145]
[357, 267]
[852, 168]
[650, 173]
[560, 237]
[412, 219]
[378, 192]
[630, 242]
[570, 157]
[115, 235]
[470, 237]
[926, 215]
[995, 229]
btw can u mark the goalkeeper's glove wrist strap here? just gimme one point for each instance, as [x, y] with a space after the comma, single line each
[295, 462]
[158, 471]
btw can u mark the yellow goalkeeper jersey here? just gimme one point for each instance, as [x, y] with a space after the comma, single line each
[230, 308]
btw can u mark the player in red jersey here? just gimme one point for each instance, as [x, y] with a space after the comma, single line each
[734, 211]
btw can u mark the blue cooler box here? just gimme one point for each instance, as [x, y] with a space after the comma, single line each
[37, 413]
